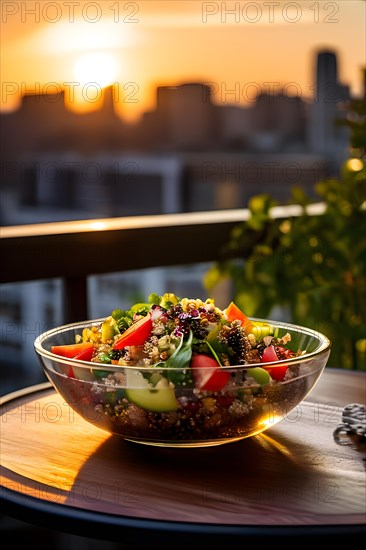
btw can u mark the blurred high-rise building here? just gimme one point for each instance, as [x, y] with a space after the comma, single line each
[326, 135]
[187, 117]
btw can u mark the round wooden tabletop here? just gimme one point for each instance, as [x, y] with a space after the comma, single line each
[59, 470]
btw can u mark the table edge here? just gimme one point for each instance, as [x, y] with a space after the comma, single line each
[89, 523]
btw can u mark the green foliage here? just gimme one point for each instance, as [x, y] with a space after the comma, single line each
[313, 266]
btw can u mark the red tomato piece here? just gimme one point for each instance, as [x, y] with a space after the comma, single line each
[70, 373]
[85, 355]
[233, 313]
[71, 350]
[136, 334]
[270, 356]
[207, 373]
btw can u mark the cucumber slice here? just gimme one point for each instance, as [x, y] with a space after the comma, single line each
[261, 376]
[157, 398]
[84, 374]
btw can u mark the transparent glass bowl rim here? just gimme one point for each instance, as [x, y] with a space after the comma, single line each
[323, 346]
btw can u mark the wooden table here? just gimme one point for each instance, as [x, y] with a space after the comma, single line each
[59, 471]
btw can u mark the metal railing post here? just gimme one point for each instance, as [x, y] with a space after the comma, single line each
[75, 299]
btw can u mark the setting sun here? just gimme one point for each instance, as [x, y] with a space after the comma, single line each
[99, 68]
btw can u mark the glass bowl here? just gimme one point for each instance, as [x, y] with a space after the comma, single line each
[123, 401]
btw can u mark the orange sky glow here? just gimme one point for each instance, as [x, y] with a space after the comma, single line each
[238, 47]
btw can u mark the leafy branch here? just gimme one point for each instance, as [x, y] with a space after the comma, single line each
[312, 266]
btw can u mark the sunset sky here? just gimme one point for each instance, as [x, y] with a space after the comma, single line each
[239, 47]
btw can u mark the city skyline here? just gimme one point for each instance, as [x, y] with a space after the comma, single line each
[186, 117]
[239, 47]
[327, 87]
[200, 154]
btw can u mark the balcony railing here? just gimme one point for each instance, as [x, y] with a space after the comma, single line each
[75, 250]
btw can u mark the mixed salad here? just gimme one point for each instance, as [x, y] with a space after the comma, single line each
[171, 333]
[198, 372]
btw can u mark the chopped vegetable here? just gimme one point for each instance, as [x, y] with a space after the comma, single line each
[85, 355]
[188, 341]
[233, 313]
[207, 373]
[136, 334]
[270, 356]
[71, 350]
[159, 397]
[109, 328]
